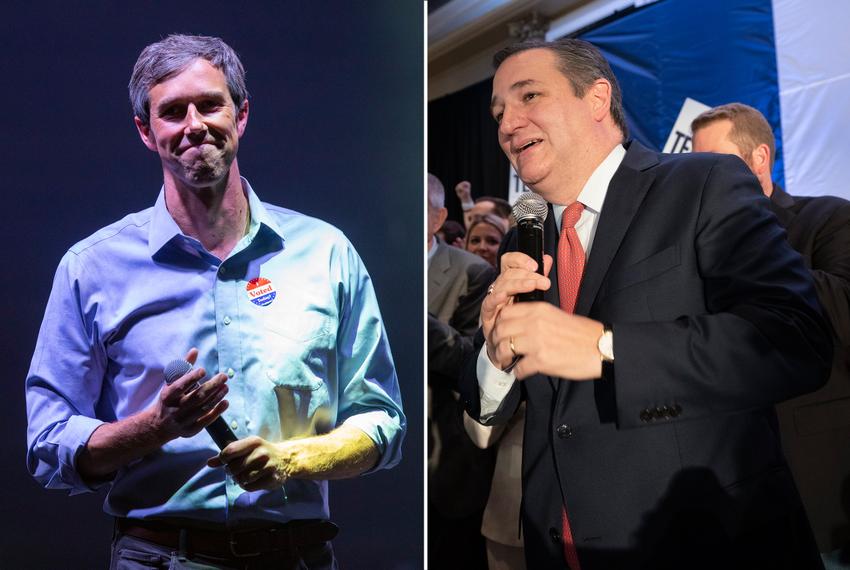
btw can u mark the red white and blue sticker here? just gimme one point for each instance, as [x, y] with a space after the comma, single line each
[260, 291]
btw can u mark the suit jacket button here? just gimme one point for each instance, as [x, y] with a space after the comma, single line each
[555, 535]
[564, 431]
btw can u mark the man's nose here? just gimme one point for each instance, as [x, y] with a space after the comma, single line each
[512, 119]
[194, 121]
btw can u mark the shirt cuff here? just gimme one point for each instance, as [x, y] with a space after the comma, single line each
[71, 442]
[385, 431]
[493, 384]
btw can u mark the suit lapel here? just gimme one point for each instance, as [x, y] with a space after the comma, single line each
[625, 194]
[550, 247]
[622, 200]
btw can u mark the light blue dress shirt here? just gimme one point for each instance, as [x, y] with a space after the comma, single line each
[290, 316]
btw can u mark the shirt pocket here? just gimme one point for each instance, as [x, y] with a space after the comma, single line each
[298, 324]
[300, 364]
[303, 401]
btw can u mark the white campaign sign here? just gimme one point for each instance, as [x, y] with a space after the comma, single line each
[680, 137]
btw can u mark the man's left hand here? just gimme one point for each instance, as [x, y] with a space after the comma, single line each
[551, 341]
[256, 464]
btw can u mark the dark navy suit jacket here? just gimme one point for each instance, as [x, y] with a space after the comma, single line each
[672, 459]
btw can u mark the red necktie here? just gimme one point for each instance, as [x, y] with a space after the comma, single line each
[570, 271]
[570, 258]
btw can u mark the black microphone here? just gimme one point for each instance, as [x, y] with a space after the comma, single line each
[219, 431]
[530, 211]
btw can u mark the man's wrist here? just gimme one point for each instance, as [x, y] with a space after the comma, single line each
[149, 422]
[287, 466]
[605, 344]
[491, 357]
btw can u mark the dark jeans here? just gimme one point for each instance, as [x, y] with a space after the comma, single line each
[130, 553]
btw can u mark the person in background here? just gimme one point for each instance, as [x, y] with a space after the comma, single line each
[485, 235]
[815, 427]
[453, 233]
[500, 525]
[458, 472]
[472, 210]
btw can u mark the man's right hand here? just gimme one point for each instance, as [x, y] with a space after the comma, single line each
[183, 408]
[464, 192]
[518, 275]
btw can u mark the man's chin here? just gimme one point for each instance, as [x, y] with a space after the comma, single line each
[531, 182]
[204, 174]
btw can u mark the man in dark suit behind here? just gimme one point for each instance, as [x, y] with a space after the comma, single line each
[458, 472]
[651, 439]
[815, 427]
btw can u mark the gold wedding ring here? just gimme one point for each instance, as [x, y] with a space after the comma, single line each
[513, 350]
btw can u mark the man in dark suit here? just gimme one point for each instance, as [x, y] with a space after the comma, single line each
[650, 440]
[815, 427]
[458, 472]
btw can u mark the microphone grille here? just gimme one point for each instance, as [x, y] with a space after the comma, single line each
[175, 369]
[530, 205]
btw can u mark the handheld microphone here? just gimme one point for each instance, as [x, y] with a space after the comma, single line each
[530, 211]
[219, 431]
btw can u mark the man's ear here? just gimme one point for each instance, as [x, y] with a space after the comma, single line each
[760, 160]
[444, 213]
[242, 118]
[600, 99]
[145, 133]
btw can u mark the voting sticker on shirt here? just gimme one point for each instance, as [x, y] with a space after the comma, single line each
[260, 291]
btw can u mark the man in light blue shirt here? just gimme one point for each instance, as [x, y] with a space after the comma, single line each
[277, 306]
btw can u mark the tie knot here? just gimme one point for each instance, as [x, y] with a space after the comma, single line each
[571, 215]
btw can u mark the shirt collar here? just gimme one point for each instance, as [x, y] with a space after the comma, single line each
[596, 187]
[163, 228]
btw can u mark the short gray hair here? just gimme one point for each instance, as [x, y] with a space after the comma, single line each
[436, 192]
[166, 58]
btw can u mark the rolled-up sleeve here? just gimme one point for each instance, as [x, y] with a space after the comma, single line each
[64, 382]
[369, 397]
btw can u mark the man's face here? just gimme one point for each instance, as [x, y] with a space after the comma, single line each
[544, 129]
[714, 137]
[194, 126]
[436, 218]
[481, 208]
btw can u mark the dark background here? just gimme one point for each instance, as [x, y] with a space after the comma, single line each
[463, 144]
[335, 131]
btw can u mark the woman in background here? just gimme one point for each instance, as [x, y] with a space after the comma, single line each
[485, 235]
